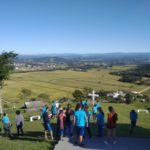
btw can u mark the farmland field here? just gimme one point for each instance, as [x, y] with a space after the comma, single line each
[62, 83]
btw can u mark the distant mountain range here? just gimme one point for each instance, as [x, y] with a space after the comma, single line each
[109, 58]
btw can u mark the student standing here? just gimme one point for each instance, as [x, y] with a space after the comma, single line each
[6, 125]
[94, 111]
[100, 121]
[133, 119]
[111, 125]
[80, 119]
[61, 124]
[47, 124]
[19, 119]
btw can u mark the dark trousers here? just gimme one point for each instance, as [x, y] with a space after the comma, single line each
[20, 129]
[88, 130]
[7, 129]
[68, 129]
[100, 131]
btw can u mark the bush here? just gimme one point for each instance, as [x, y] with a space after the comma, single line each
[44, 96]
[78, 95]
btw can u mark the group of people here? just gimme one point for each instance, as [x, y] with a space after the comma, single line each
[19, 120]
[74, 122]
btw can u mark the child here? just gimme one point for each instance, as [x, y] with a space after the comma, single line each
[6, 125]
[61, 124]
[100, 121]
[19, 122]
[111, 124]
[133, 119]
[89, 114]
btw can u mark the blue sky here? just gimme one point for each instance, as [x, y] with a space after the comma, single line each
[74, 26]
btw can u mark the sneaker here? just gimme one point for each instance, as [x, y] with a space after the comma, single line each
[114, 142]
[105, 142]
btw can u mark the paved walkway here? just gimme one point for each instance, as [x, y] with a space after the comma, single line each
[98, 144]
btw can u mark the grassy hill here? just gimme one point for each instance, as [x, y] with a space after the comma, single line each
[62, 83]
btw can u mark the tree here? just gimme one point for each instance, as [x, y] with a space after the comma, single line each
[25, 94]
[44, 96]
[78, 95]
[6, 67]
[129, 98]
[86, 91]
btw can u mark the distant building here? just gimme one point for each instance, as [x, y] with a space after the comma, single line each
[116, 94]
[33, 105]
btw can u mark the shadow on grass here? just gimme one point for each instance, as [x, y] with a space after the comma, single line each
[122, 130]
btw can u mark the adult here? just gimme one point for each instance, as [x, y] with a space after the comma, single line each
[19, 119]
[6, 125]
[112, 118]
[133, 119]
[80, 119]
[47, 124]
[68, 122]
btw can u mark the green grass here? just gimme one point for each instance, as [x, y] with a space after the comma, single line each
[62, 84]
[34, 133]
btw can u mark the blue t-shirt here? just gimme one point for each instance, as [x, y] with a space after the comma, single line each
[80, 116]
[88, 116]
[43, 109]
[98, 105]
[83, 103]
[100, 119]
[86, 102]
[94, 110]
[5, 120]
[133, 116]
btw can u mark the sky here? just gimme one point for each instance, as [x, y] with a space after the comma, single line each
[74, 26]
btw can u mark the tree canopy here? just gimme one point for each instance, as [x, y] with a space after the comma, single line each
[6, 65]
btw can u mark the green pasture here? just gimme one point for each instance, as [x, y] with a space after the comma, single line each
[62, 83]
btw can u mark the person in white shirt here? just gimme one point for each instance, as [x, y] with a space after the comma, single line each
[19, 122]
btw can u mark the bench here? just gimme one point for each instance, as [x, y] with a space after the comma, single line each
[35, 117]
[144, 110]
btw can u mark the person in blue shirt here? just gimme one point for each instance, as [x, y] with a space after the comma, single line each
[94, 111]
[98, 104]
[80, 119]
[133, 119]
[54, 109]
[6, 125]
[47, 124]
[100, 121]
[43, 110]
[88, 114]
[83, 103]
[86, 103]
